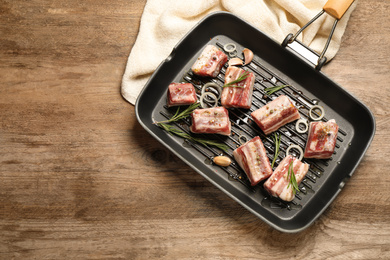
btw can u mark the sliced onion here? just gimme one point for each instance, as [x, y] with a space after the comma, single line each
[212, 85]
[233, 54]
[208, 94]
[248, 56]
[311, 112]
[229, 47]
[303, 122]
[296, 147]
[235, 61]
[242, 139]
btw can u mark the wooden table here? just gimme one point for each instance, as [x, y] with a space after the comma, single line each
[81, 179]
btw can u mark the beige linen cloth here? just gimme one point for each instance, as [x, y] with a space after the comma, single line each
[165, 22]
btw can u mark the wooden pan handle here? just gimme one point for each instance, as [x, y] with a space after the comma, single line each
[337, 8]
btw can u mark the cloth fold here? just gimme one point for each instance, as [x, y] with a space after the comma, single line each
[165, 22]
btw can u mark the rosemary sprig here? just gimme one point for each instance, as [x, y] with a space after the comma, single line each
[276, 138]
[271, 90]
[292, 179]
[177, 116]
[172, 130]
[239, 79]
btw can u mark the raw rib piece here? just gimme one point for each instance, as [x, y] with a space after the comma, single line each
[211, 121]
[209, 62]
[275, 114]
[321, 140]
[253, 159]
[180, 94]
[277, 184]
[237, 96]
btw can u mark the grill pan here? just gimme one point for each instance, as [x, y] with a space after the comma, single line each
[272, 65]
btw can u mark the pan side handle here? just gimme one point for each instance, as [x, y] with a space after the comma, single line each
[337, 8]
[334, 8]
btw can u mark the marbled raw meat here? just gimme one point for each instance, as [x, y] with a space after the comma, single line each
[321, 140]
[253, 159]
[239, 95]
[211, 121]
[210, 62]
[180, 94]
[278, 184]
[275, 114]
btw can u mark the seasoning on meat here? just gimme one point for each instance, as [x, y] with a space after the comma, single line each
[253, 159]
[275, 114]
[321, 140]
[278, 184]
[239, 94]
[211, 121]
[209, 62]
[180, 94]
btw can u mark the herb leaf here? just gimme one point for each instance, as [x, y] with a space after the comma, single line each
[173, 130]
[271, 90]
[177, 116]
[239, 79]
[292, 179]
[276, 138]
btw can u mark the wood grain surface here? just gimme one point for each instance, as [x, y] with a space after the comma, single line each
[81, 179]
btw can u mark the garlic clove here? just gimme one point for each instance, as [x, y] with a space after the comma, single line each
[235, 61]
[222, 160]
[248, 56]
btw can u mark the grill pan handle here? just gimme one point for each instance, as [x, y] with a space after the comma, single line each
[336, 9]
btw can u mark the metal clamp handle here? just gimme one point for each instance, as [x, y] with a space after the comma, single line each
[335, 8]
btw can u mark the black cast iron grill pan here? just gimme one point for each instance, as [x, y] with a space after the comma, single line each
[272, 65]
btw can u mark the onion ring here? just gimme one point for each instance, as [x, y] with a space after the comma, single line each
[232, 54]
[213, 97]
[322, 112]
[296, 147]
[242, 139]
[304, 122]
[212, 85]
[231, 49]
